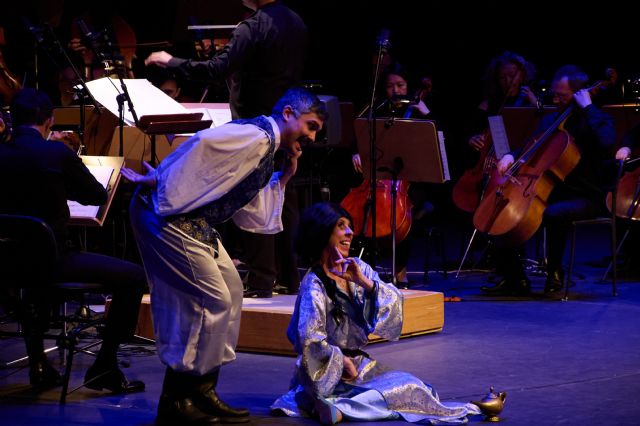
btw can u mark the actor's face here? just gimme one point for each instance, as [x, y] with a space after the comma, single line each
[341, 236]
[299, 129]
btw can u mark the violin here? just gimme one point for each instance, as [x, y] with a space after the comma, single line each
[358, 199]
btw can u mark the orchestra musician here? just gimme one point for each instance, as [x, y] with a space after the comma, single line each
[582, 193]
[39, 177]
[398, 102]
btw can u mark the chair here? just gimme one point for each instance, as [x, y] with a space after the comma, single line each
[28, 257]
[604, 220]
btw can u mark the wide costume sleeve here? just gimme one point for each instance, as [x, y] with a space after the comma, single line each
[207, 166]
[383, 307]
[320, 364]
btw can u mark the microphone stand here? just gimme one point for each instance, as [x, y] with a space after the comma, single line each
[383, 45]
[82, 91]
[123, 96]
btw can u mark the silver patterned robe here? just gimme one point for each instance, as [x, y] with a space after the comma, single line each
[325, 328]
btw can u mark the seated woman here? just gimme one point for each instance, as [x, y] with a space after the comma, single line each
[341, 301]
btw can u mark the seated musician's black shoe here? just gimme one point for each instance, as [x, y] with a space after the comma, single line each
[257, 294]
[182, 411]
[112, 379]
[43, 376]
[507, 287]
[210, 403]
[555, 281]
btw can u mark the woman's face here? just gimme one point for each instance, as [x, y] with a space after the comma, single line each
[395, 86]
[510, 77]
[341, 237]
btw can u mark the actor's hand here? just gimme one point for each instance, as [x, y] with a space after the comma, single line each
[147, 180]
[349, 269]
[349, 370]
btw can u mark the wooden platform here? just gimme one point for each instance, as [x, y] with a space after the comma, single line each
[265, 321]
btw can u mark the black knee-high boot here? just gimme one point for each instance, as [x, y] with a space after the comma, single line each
[208, 401]
[176, 406]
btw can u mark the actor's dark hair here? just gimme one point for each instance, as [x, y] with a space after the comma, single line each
[315, 229]
[302, 101]
[30, 106]
[577, 78]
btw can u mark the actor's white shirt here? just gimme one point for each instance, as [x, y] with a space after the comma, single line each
[210, 164]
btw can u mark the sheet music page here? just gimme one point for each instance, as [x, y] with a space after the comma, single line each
[499, 136]
[102, 175]
[443, 153]
[147, 99]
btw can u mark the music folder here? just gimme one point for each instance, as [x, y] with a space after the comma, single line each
[106, 170]
[417, 143]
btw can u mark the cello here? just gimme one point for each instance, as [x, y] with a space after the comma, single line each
[358, 199]
[9, 84]
[512, 211]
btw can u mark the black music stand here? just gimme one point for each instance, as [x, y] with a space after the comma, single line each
[405, 149]
[161, 124]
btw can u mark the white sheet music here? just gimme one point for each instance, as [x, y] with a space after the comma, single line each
[102, 175]
[499, 136]
[443, 155]
[146, 98]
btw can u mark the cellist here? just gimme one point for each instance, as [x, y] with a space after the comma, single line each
[397, 102]
[581, 195]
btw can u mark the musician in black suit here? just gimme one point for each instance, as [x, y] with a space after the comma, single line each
[39, 176]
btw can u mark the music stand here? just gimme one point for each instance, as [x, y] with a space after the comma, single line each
[160, 124]
[405, 149]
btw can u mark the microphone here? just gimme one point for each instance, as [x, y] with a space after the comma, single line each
[35, 31]
[383, 40]
[96, 40]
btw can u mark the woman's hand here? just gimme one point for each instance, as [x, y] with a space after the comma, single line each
[421, 107]
[477, 142]
[357, 162]
[349, 370]
[348, 269]
[147, 180]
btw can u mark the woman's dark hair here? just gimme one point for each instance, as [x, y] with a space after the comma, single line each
[492, 86]
[316, 227]
[392, 69]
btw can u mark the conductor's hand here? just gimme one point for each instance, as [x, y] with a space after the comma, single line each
[357, 162]
[349, 370]
[160, 59]
[147, 180]
[477, 142]
[505, 162]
